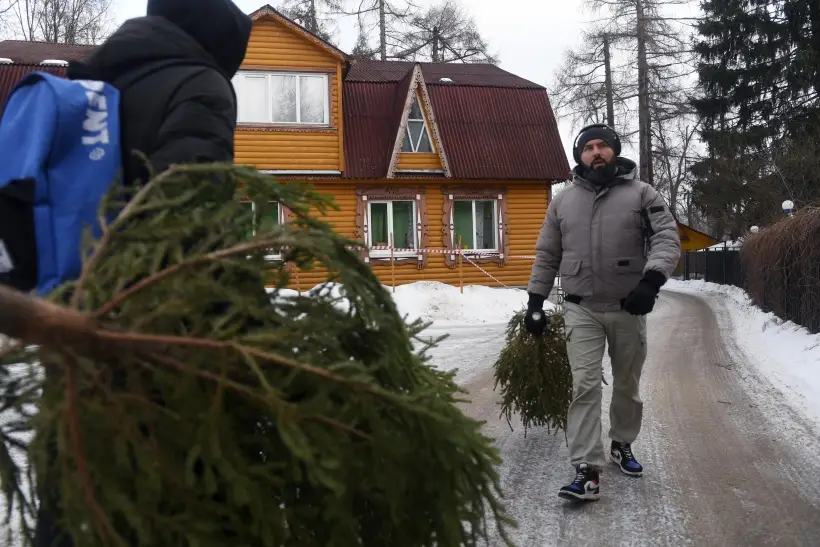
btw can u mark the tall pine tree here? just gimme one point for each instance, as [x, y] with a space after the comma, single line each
[759, 104]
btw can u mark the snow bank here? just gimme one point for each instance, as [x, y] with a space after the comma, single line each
[784, 352]
[444, 304]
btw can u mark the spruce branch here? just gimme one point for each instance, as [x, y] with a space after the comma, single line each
[179, 402]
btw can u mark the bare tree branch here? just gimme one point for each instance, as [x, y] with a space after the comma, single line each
[58, 21]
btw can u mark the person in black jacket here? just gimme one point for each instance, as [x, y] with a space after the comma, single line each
[173, 68]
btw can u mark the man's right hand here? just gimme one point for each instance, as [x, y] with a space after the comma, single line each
[536, 320]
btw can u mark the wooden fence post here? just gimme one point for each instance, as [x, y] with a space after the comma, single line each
[460, 269]
[295, 270]
[392, 265]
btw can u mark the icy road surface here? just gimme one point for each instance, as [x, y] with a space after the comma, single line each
[727, 461]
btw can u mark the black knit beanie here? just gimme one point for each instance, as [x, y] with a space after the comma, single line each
[604, 133]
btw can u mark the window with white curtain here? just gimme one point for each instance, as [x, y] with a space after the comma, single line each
[290, 98]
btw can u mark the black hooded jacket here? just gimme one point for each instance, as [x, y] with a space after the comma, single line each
[173, 68]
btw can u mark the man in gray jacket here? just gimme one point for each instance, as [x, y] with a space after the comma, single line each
[614, 242]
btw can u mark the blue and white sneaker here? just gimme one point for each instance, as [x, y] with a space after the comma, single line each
[585, 487]
[621, 454]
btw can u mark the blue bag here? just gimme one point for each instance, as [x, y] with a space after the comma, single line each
[60, 149]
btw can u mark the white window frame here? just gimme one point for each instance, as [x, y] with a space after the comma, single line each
[414, 146]
[281, 219]
[496, 232]
[383, 253]
[238, 87]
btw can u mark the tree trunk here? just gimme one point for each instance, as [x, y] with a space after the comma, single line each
[644, 118]
[610, 100]
[690, 211]
[312, 22]
[435, 45]
[382, 31]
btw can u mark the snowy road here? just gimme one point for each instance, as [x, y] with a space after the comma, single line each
[727, 461]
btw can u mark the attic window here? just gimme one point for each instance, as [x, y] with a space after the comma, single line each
[416, 138]
[288, 98]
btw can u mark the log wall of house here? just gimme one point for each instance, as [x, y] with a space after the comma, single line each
[526, 208]
[408, 160]
[275, 47]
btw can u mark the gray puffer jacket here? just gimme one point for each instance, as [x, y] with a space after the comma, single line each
[597, 241]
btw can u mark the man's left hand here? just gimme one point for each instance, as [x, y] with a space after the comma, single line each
[641, 300]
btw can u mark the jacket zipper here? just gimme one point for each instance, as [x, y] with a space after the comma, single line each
[599, 253]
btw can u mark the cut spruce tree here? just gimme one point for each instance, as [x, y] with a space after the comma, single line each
[164, 399]
[534, 375]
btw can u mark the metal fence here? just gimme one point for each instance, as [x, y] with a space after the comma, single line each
[785, 289]
[720, 265]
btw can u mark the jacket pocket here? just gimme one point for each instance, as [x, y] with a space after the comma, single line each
[570, 267]
[625, 273]
[575, 278]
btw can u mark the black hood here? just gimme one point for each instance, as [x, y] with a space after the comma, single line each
[219, 26]
[218, 39]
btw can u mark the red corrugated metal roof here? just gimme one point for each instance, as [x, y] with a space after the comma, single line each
[368, 128]
[469, 74]
[24, 53]
[499, 133]
[11, 74]
[398, 109]
[493, 124]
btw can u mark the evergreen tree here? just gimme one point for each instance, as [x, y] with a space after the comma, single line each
[164, 399]
[759, 103]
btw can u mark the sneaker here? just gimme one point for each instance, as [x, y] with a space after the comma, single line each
[585, 486]
[621, 454]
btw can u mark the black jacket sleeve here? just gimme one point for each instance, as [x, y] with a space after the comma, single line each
[199, 123]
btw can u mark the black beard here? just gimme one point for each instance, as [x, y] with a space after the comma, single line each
[599, 176]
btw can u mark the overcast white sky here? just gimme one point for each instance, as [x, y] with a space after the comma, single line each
[529, 35]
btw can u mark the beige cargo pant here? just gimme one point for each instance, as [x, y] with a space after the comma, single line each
[587, 334]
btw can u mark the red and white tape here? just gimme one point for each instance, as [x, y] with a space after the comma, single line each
[464, 252]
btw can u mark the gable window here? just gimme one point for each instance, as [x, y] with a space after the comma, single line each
[392, 222]
[274, 217]
[282, 98]
[416, 138]
[475, 222]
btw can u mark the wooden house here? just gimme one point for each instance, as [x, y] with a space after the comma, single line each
[421, 155]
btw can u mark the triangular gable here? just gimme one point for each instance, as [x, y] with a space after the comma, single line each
[267, 11]
[693, 240]
[416, 88]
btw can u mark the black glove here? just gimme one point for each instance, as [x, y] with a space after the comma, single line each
[535, 320]
[641, 300]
